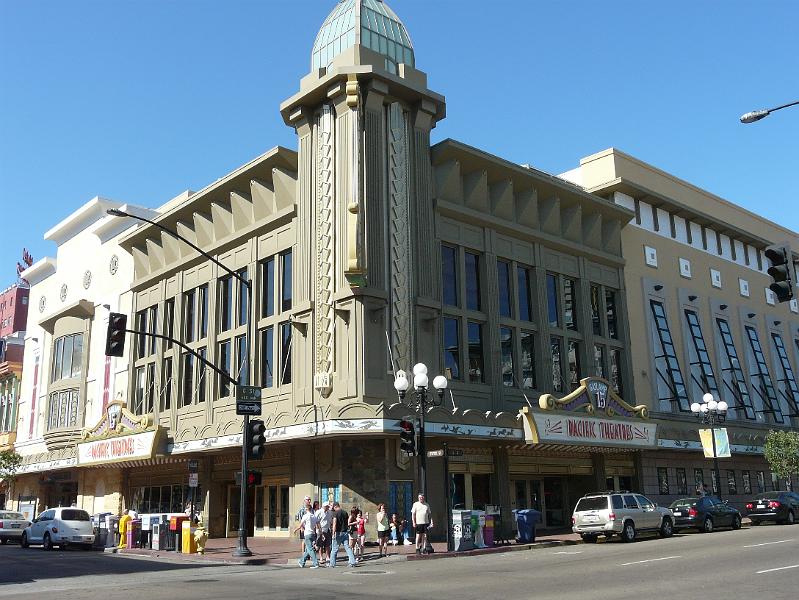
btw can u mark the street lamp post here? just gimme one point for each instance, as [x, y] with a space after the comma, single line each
[712, 413]
[242, 549]
[420, 402]
[756, 115]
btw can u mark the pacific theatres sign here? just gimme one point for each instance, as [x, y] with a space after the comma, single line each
[606, 420]
[118, 436]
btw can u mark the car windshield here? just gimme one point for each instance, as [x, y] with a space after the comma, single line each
[593, 503]
[769, 495]
[74, 515]
[683, 503]
[12, 515]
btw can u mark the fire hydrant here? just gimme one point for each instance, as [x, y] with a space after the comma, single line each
[200, 537]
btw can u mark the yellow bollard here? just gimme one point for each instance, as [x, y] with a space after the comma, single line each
[187, 538]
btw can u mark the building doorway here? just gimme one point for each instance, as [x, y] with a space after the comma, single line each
[619, 483]
[272, 510]
[233, 503]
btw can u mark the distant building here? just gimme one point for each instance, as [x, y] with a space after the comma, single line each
[705, 321]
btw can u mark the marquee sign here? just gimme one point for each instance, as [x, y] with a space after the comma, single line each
[593, 414]
[118, 436]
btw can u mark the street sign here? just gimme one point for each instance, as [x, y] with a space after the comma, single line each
[454, 452]
[248, 400]
[194, 465]
[434, 453]
[194, 480]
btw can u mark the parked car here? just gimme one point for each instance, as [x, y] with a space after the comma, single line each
[60, 527]
[12, 524]
[620, 513]
[704, 514]
[782, 507]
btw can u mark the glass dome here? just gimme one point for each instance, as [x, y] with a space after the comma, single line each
[370, 23]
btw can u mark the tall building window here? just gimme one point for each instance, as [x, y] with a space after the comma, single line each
[669, 382]
[596, 310]
[449, 274]
[189, 322]
[224, 364]
[139, 391]
[761, 378]
[599, 361]
[63, 409]
[732, 373]
[472, 281]
[506, 356]
[188, 378]
[574, 365]
[169, 322]
[202, 311]
[556, 364]
[503, 282]
[615, 371]
[274, 332]
[225, 303]
[789, 390]
[242, 307]
[702, 375]
[141, 335]
[610, 310]
[67, 357]
[166, 392]
[528, 359]
[476, 366]
[523, 284]
[452, 348]
[570, 304]
[201, 371]
[553, 300]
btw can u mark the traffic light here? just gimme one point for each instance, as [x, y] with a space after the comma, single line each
[781, 272]
[407, 437]
[256, 440]
[115, 337]
[254, 478]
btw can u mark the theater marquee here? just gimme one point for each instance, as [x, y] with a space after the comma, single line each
[591, 415]
[119, 436]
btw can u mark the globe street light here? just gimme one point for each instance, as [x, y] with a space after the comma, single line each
[420, 402]
[756, 115]
[712, 412]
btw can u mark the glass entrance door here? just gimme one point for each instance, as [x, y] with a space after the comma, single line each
[233, 500]
[554, 506]
[276, 508]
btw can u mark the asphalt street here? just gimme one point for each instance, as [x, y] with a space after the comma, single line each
[757, 562]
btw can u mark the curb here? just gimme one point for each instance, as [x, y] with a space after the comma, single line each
[192, 558]
[498, 550]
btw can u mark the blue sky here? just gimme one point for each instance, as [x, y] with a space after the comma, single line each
[137, 101]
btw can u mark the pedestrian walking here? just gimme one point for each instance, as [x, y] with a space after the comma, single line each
[362, 520]
[352, 531]
[323, 541]
[340, 535]
[422, 518]
[306, 504]
[309, 526]
[383, 530]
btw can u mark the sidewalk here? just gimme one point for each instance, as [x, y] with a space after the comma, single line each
[271, 551]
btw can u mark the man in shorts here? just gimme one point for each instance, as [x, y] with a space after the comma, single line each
[323, 541]
[306, 505]
[422, 519]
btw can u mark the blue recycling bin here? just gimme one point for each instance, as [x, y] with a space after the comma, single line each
[526, 519]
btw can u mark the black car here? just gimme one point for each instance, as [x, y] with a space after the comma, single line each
[704, 513]
[782, 507]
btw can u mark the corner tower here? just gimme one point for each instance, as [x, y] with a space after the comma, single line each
[363, 117]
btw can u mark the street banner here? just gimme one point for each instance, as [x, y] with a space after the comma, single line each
[722, 442]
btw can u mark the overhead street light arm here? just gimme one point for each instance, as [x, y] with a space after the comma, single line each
[115, 212]
[756, 115]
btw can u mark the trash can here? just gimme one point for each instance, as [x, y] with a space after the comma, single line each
[488, 531]
[462, 530]
[526, 520]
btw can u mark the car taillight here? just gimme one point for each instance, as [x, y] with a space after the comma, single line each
[1, 524]
[774, 504]
[612, 516]
[573, 520]
[691, 512]
[749, 506]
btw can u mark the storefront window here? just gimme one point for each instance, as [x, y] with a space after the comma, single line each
[165, 499]
[747, 482]
[481, 491]
[732, 485]
[663, 481]
[761, 482]
[682, 481]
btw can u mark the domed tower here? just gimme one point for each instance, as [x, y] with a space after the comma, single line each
[363, 117]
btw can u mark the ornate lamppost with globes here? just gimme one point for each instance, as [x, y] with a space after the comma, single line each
[711, 412]
[420, 402]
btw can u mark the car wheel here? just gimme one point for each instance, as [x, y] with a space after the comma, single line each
[589, 539]
[666, 528]
[707, 525]
[736, 522]
[24, 541]
[47, 543]
[628, 532]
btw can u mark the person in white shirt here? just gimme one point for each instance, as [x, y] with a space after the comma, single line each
[323, 542]
[309, 525]
[422, 519]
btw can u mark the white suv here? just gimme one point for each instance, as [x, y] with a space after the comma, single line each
[622, 513]
[60, 527]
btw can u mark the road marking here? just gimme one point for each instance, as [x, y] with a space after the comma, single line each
[638, 562]
[562, 552]
[767, 543]
[777, 569]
